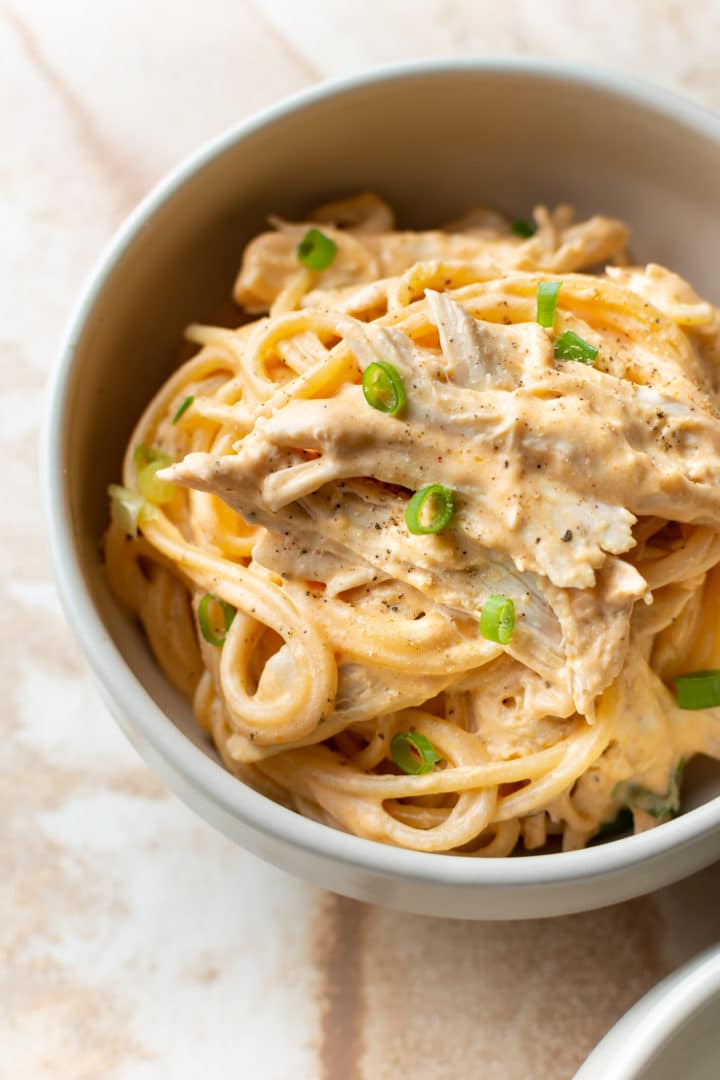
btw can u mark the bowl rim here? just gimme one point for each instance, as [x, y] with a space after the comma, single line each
[210, 778]
[647, 1028]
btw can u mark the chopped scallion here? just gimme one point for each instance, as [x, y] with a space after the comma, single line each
[622, 823]
[383, 388]
[127, 508]
[658, 806]
[547, 294]
[570, 346]
[413, 753]
[521, 227]
[212, 613]
[497, 619]
[430, 509]
[698, 690]
[316, 251]
[183, 408]
[148, 462]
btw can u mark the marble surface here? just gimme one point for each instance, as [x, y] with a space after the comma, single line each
[137, 943]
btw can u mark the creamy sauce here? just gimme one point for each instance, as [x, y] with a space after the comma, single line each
[586, 493]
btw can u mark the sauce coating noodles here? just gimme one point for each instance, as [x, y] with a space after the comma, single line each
[287, 586]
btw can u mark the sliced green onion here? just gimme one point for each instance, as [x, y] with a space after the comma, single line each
[183, 408]
[211, 611]
[570, 346]
[521, 227]
[547, 294]
[622, 823]
[127, 508]
[430, 509]
[383, 388]
[698, 690]
[661, 807]
[497, 619]
[148, 462]
[316, 250]
[413, 753]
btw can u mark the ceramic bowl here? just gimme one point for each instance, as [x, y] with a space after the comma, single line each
[674, 1031]
[432, 138]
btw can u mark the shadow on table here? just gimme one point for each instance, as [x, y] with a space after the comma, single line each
[429, 998]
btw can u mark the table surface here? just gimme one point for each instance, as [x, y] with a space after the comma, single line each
[137, 942]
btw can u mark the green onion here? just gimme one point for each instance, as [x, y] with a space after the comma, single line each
[183, 408]
[316, 250]
[429, 510]
[622, 823]
[127, 508]
[413, 753]
[497, 619]
[521, 227]
[698, 690]
[570, 346]
[208, 617]
[660, 807]
[148, 462]
[383, 388]
[547, 294]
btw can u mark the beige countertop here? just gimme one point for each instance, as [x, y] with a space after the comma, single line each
[136, 942]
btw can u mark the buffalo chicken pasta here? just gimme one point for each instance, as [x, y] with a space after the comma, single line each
[433, 542]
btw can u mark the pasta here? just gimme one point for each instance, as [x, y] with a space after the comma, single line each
[433, 542]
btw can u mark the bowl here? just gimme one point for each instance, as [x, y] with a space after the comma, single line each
[433, 138]
[673, 1031]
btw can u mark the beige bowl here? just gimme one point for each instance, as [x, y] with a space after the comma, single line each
[433, 138]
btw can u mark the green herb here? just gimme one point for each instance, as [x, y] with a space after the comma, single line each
[521, 227]
[183, 408]
[413, 753]
[661, 807]
[316, 250]
[497, 619]
[698, 690]
[128, 508]
[622, 823]
[383, 388]
[212, 610]
[430, 509]
[570, 346]
[148, 462]
[547, 294]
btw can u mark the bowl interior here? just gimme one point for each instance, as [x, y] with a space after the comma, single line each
[433, 143]
[692, 1051]
[671, 1032]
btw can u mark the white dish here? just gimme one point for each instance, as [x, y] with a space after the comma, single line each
[434, 138]
[673, 1031]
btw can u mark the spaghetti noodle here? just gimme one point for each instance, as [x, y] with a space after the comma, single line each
[426, 567]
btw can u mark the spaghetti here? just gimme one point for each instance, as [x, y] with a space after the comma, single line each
[428, 541]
